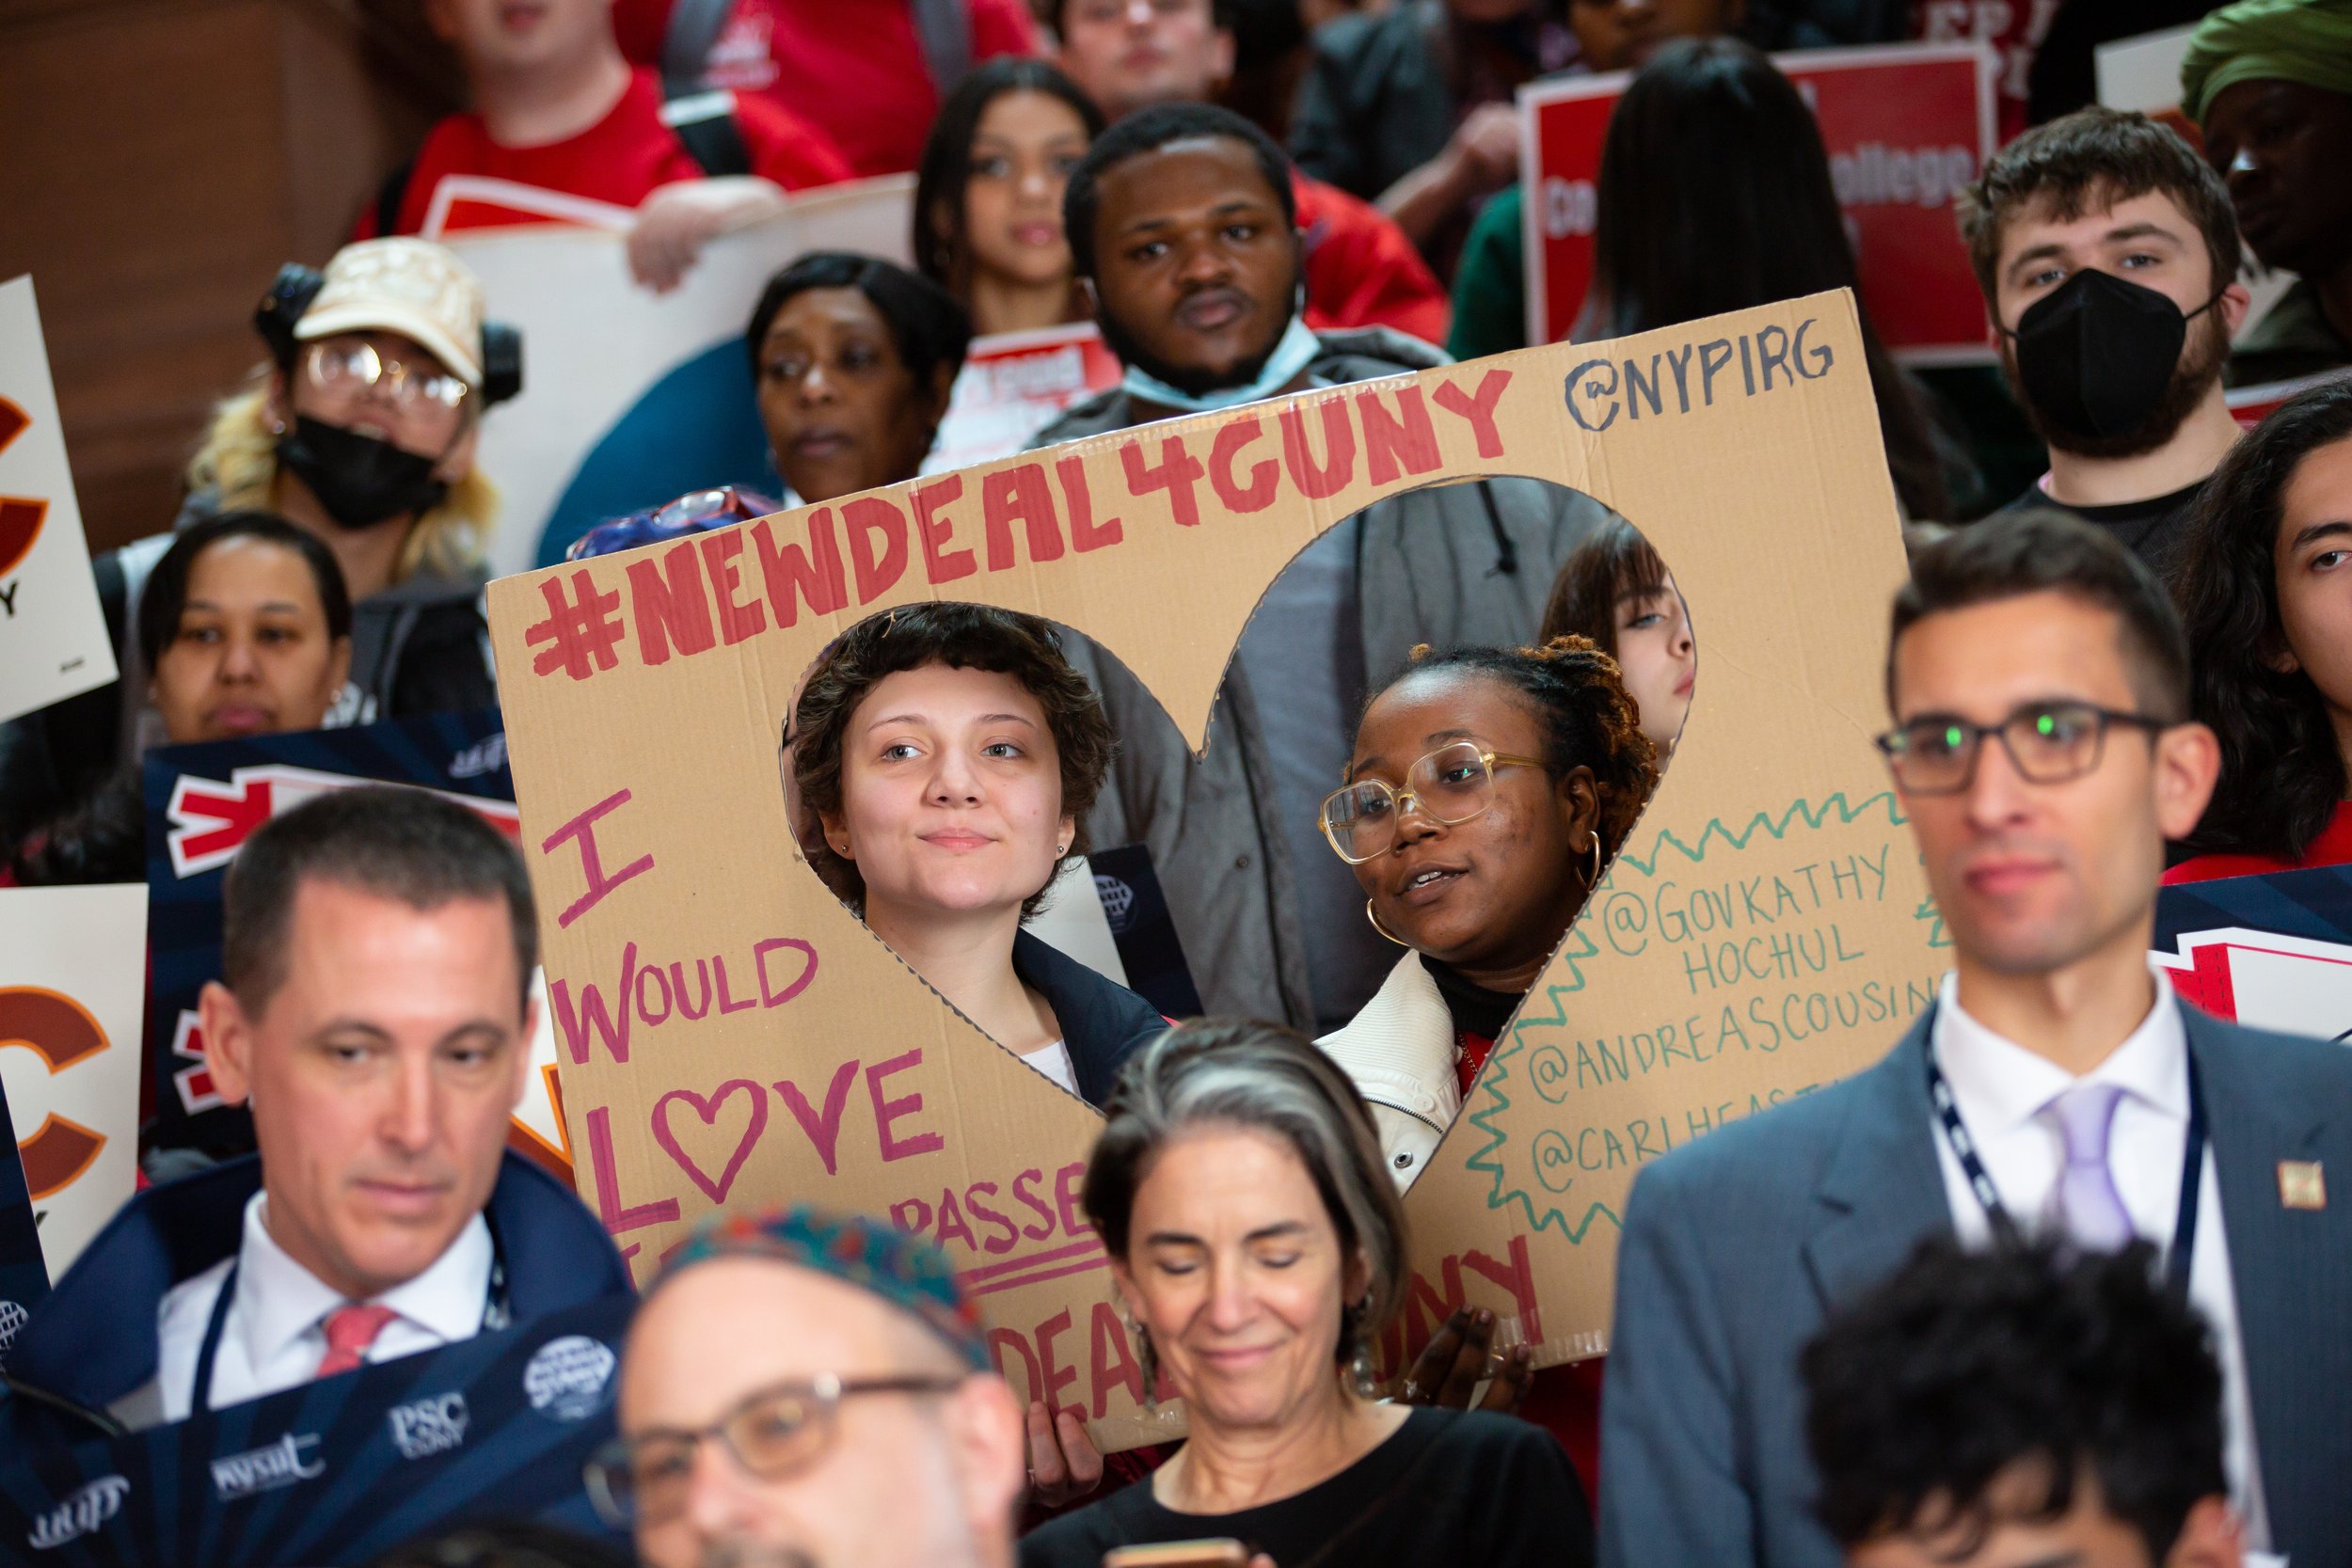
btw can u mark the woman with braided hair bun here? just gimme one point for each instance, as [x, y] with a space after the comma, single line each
[1485, 791]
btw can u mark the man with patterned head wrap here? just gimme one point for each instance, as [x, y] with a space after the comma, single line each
[804, 1389]
[2270, 82]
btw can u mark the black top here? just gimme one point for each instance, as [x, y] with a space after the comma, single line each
[2151, 530]
[1103, 1023]
[1476, 1010]
[1463, 1488]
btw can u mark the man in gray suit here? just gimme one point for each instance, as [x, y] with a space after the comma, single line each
[2041, 751]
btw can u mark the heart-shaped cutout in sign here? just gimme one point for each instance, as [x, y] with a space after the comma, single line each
[1760, 936]
[707, 1107]
[934, 752]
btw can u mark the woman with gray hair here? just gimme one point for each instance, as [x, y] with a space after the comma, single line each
[1257, 1247]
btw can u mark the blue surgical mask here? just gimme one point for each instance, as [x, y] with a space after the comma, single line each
[1297, 348]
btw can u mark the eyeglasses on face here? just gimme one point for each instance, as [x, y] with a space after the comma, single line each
[644, 1480]
[2047, 743]
[352, 364]
[1451, 785]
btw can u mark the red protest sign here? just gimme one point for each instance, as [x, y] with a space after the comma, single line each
[1906, 126]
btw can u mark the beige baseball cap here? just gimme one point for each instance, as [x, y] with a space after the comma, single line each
[413, 287]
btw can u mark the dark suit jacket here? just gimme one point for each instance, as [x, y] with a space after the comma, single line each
[1735, 1245]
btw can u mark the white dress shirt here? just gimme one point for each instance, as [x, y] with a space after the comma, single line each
[2003, 1093]
[1054, 1061]
[274, 1334]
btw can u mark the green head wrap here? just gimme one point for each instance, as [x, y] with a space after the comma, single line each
[2268, 40]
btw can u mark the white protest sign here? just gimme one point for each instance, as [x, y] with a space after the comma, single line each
[52, 635]
[631, 399]
[72, 980]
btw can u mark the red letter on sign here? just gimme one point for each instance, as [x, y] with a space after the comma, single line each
[1019, 493]
[790, 573]
[1178, 472]
[721, 551]
[1339, 440]
[1405, 438]
[672, 609]
[867, 517]
[1084, 534]
[598, 883]
[941, 564]
[1478, 408]
[1263, 477]
[617, 1219]
[889, 1111]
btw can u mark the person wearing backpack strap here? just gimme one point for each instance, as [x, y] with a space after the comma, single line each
[558, 109]
[871, 73]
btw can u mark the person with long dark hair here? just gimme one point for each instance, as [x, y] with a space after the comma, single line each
[988, 197]
[1715, 195]
[2263, 580]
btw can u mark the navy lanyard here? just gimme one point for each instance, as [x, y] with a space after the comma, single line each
[496, 1313]
[2005, 1229]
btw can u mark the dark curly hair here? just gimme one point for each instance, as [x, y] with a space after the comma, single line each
[1613, 563]
[1589, 719]
[961, 636]
[1964, 1366]
[2282, 770]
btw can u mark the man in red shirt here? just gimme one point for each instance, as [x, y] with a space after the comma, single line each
[866, 71]
[557, 111]
[1130, 55]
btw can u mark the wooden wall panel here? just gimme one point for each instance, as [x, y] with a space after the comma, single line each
[158, 160]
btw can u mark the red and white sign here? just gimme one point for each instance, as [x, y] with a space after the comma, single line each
[1013, 385]
[210, 820]
[1906, 125]
[2263, 980]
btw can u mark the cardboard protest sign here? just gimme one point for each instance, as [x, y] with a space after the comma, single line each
[1906, 126]
[2270, 952]
[204, 801]
[731, 1035]
[657, 400]
[492, 1428]
[72, 981]
[52, 635]
[23, 1278]
[1012, 386]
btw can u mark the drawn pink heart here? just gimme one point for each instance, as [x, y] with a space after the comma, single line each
[709, 1110]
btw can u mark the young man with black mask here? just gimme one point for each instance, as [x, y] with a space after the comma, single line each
[1182, 224]
[2109, 257]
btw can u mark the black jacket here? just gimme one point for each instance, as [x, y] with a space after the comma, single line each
[1103, 1023]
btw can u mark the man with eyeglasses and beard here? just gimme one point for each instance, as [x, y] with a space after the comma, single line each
[804, 1389]
[2109, 257]
[2042, 752]
[1183, 226]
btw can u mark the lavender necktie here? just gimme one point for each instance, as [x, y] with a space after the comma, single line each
[2088, 1203]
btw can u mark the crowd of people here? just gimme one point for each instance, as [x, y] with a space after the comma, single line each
[2054, 1282]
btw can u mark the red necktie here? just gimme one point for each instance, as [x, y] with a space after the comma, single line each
[350, 1330]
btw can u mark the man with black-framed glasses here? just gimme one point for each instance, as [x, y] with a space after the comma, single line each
[808, 1388]
[2041, 751]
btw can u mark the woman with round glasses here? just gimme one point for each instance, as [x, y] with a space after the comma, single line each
[1487, 790]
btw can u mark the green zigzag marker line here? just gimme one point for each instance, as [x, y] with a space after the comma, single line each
[1580, 945]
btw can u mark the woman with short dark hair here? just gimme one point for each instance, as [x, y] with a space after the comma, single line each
[853, 360]
[947, 753]
[1258, 1249]
[1616, 592]
[2263, 580]
[988, 220]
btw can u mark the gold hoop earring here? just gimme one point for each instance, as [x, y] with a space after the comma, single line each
[1593, 880]
[1383, 929]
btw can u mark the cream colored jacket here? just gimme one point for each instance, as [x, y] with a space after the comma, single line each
[1399, 1051]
